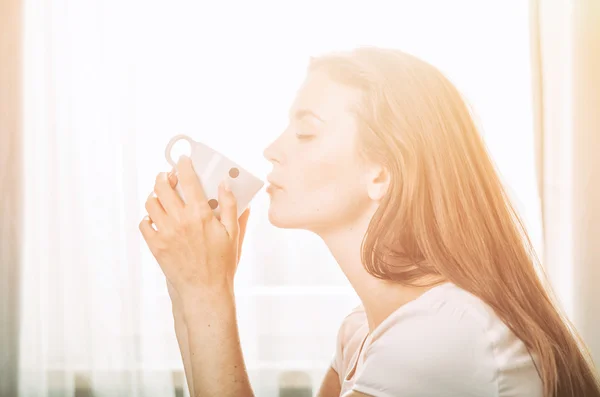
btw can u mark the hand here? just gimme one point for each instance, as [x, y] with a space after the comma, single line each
[195, 250]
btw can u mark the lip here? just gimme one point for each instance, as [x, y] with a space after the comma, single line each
[272, 188]
[272, 185]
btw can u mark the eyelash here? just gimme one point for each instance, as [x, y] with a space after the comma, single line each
[301, 137]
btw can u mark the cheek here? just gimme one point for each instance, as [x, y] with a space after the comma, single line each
[326, 170]
[331, 186]
[325, 193]
[318, 176]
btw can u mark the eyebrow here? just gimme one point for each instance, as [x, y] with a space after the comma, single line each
[301, 113]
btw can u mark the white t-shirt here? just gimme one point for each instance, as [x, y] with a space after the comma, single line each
[446, 343]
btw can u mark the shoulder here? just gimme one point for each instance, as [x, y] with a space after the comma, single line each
[352, 324]
[428, 350]
[350, 333]
[450, 343]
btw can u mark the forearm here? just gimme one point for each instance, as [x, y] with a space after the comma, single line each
[182, 335]
[183, 342]
[218, 367]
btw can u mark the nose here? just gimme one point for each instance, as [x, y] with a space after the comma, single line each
[272, 152]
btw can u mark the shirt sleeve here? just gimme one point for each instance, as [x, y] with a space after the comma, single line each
[350, 324]
[429, 353]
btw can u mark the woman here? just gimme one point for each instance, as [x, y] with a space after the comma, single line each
[383, 161]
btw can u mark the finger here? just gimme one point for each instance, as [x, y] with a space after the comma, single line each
[168, 198]
[228, 204]
[191, 186]
[173, 178]
[156, 211]
[243, 222]
[147, 230]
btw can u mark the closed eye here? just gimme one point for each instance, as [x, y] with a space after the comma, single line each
[304, 137]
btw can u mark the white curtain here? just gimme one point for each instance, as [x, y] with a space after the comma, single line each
[108, 82]
[567, 91]
[11, 196]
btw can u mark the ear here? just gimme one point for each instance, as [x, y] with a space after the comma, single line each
[378, 181]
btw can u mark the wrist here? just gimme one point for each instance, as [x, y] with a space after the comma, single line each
[205, 300]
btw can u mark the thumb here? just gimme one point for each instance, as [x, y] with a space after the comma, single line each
[243, 222]
[228, 204]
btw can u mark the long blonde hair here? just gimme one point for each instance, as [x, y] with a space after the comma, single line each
[447, 214]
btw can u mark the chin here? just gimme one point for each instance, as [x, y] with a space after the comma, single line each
[290, 219]
[283, 219]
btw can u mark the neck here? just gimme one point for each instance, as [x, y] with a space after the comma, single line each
[380, 298]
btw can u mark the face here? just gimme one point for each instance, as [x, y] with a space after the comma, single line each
[319, 182]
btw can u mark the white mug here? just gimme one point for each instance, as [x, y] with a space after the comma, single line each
[212, 168]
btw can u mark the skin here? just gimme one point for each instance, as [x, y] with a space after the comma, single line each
[324, 187]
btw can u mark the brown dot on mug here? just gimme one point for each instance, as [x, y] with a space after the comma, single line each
[234, 172]
[213, 203]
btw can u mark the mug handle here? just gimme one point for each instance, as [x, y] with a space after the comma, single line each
[172, 142]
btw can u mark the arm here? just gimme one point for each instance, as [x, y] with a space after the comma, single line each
[199, 253]
[182, 336]
[331, 385]
[181, 326]
[218, 367]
